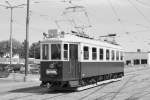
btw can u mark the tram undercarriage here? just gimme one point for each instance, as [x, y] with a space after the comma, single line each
[84, 83]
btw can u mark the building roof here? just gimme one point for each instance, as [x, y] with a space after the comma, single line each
[137, 52]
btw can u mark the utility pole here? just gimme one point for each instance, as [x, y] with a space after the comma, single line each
[9, 6]
[11, 22]
[27, 41]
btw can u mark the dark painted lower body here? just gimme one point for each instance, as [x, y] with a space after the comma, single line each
[83, 73]
[89, 69]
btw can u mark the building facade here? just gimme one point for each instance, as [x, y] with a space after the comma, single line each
[137, 58]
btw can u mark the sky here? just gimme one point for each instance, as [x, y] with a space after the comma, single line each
[129, 19]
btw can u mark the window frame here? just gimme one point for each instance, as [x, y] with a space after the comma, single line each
[113, 55]
[87, 52]
[117, 55]
[107, 55]
[94, 53]
[101, 54]
[121, 56]
[43, 50]
[63, 53]
[60, 52]
[136, 61]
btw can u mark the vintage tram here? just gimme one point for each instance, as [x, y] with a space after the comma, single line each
[73, 61]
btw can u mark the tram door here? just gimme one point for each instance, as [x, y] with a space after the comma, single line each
[74, 64]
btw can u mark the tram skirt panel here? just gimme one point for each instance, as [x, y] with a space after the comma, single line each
[89, 69]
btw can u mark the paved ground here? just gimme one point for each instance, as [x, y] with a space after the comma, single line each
[134, 86]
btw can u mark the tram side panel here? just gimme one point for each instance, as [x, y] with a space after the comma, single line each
[89, 69]
[71, 71]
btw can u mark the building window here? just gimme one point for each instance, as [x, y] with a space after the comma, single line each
[86, 52]
[66, 51]
[128, 62]
[143, 61]
[45, 51]
[107, 54]
[94, 53]
[136, 61]
[121, 55]
[55, 51]
[112, 55]
[101, 54]
[117, 55]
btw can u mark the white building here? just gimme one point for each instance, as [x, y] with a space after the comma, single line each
[6, 59]
[137, 58]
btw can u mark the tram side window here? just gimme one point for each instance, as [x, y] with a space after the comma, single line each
[112, 55]
[107, 54]
[66, 51]
[45, 53]
[117, 55]
[86, 52]
[94, 54]
[101, 53]
[121, 55]
[55, 51]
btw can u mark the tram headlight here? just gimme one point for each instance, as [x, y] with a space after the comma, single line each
[51, 65]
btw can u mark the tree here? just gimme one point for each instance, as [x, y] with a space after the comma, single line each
[17, 47]
[22, 52]
[34, 51]
[5, 47]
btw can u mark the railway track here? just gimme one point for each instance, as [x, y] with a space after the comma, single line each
[112, 95]
[46, 95]
[109, 81]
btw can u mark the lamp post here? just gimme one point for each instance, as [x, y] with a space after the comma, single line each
[9, 6]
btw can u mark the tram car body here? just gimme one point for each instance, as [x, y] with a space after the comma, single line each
[71, 61]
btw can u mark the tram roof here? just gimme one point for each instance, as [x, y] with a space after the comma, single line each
[70, 38]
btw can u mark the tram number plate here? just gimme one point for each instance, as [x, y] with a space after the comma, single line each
[51, 71]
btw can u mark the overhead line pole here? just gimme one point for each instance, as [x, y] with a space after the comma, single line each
[27, 42]
[11, 23]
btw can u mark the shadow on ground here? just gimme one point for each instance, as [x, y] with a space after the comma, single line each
[38, 90]
[41, 90]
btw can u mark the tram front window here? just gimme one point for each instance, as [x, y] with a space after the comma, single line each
[55, 51]
[66, 51]
[45, 52]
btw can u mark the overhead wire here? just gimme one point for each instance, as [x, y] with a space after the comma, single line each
[140, 31]
[139, 11]
[144, 26]
[118, 18]
[121, 22]
[143, 3]
[147, 5]
[75, 20]
[142, 14]
[33, 28]
[114, 10]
